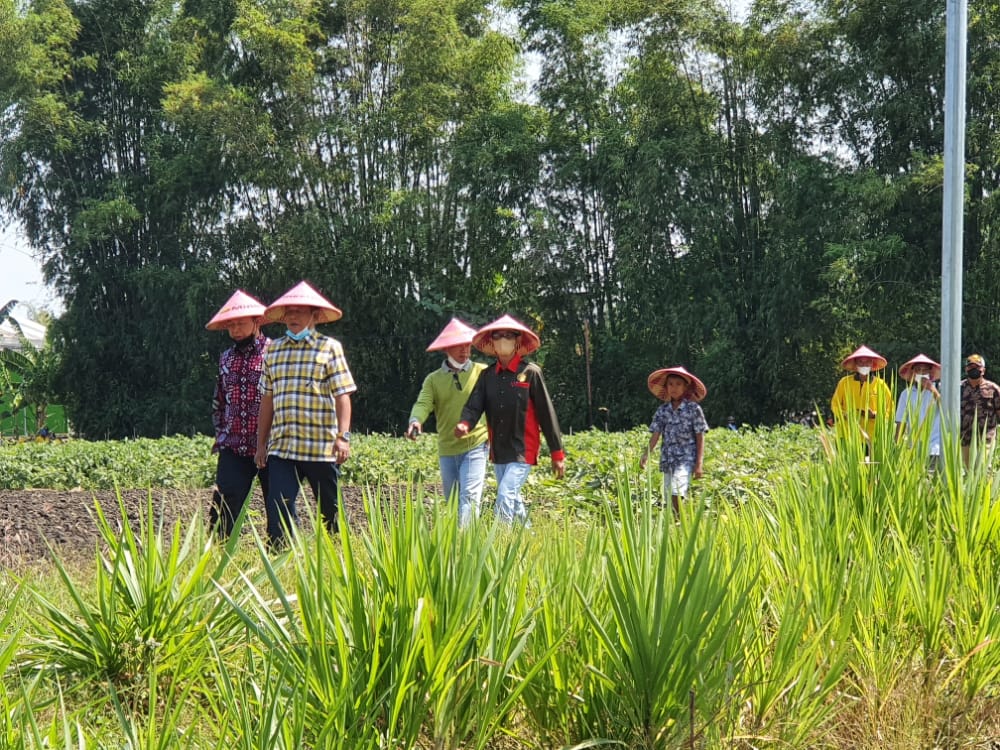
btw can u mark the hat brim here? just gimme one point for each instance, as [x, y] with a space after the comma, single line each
[222, 324]
[657, 384]
[906, 369]
[456, 333]
[323, 314]
[528, 342]
[863, 352]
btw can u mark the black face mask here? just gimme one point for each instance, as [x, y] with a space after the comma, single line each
[974, 373]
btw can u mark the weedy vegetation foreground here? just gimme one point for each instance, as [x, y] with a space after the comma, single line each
[805, 599]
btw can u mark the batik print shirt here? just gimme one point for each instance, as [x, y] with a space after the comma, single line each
[236, 402]
[980, 409]
[677, 428]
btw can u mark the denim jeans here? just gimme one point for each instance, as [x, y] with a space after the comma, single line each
[510, 505]
[285, 477]
[465, 474]
[234, 476]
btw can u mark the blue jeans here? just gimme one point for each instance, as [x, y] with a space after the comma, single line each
[234, 476]
[285, 477]
[465, 474]
[510, 505]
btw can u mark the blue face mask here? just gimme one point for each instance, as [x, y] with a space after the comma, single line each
[300, 336]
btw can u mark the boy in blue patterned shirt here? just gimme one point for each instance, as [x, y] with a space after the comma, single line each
[681, 424]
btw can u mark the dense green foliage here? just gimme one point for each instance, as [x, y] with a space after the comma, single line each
[751, 198]
[839, 604]
[738, 464]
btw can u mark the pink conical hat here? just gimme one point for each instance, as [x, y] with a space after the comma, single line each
[240, 305]
[529, 339]
[878, 361]
[657, 383]
[456, 333]
[303, 295]
[906, 370]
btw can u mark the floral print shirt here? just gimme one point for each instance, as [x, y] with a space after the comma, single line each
[677, 428]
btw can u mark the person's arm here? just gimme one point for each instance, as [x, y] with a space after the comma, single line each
[264, 419]
[699, 454]
[342, 404]
[838, 404]
[422, 408]
[901, 406]
[545, 412]
[473, 408]
[218, 411]
[654, 438]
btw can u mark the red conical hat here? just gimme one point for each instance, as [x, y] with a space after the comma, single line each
[906, 369]
[878, 361]
[240, 305]
[456, 333]
[303, 295]
[529, 339]
[657, 383]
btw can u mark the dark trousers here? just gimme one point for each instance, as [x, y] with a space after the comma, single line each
[286, 475]
[234, 475]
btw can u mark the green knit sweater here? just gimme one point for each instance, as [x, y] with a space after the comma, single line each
[439, 395]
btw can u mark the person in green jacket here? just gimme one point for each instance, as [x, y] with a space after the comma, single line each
[444, 393]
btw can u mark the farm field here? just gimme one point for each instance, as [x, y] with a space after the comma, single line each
[803, 600]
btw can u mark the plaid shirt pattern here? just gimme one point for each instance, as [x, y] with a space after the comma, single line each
[236, 402]
[304, 377]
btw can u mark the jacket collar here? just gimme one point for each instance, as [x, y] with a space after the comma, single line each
[512, 366]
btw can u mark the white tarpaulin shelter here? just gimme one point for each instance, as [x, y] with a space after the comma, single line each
[34, 332]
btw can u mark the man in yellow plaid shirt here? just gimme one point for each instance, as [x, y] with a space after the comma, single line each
[304, 426]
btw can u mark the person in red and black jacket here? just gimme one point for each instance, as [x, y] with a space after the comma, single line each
[518, 410]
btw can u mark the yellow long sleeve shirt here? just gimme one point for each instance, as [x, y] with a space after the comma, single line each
[859, 403]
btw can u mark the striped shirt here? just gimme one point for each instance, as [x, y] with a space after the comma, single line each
[303, 378]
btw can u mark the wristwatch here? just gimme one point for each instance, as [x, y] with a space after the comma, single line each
[345, 436]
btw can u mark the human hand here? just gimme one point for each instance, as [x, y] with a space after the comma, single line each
[461, 430]
[699, 472]
[559, 467]
[413, 431]
[260, 458]
[341, 450]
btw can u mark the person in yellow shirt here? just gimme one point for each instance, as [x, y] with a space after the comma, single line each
[861, 398]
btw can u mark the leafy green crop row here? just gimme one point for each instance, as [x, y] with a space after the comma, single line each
[848, 604]
[737, 464]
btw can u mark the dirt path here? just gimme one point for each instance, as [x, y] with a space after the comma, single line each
[33, 520]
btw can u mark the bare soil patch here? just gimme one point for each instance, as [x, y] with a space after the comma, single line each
[36, 523]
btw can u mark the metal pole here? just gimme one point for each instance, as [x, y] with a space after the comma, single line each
[953, 213]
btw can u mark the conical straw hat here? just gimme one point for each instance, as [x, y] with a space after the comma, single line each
[878, 361]
[657, 383]
[303, 295]
[906, 369]
[529, 339]
[240, 305]
[456, 333]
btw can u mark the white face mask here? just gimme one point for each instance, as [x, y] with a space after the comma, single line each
[456, 365]
[921, 376]
[864, 370]
[505, 347]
